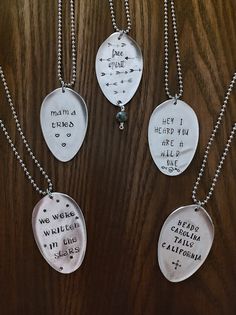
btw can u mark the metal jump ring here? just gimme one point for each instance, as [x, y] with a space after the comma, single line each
[176, 97]
[122, 32]
[63, 86]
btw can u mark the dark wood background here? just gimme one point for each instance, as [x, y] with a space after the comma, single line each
[125, 199]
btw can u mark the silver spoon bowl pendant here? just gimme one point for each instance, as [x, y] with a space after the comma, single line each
[119, 68]
[60, 232]
[64, 115]
[64, 120]
[184, 243]
[173, 130]
[173, 134]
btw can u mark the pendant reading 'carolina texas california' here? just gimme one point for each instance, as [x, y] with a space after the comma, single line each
[173, 134]
[60, 232]
[119, 68]
[64, 120]
[184, 243]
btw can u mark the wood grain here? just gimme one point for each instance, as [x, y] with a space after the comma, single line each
[125, 199]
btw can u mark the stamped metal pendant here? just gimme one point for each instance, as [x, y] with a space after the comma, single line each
[64, 120]
[119, 67]
[184, 243]
[60, 232]
[173, 134]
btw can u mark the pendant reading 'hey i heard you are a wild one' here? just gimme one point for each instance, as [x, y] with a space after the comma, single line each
[184, 243]
[173, 134]
[119, 68]
[64, 120]
[60, 232]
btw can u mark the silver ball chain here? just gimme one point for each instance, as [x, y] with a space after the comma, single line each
[166, 49]
[73, 45]
[19, 129]
[210, 141]
[113, 17]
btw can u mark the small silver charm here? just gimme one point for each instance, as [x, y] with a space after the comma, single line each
[64, 120]
[119, 68]
[60, 232]
[173, 134]
[185, 240]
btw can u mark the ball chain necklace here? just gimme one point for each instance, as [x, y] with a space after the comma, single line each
[57, 221]
[187, 234]
[63, 115]
[119, 66]
[173, 130]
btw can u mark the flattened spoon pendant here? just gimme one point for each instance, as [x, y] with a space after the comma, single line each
[185, 241]
[60, 232]
[173, 134]
[64, 120]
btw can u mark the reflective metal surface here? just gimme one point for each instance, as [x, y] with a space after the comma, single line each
[184, 243]
[60, 232]
[173, 134]
[119, 68]
[64, 120]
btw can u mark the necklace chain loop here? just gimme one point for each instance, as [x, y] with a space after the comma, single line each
[210, 141]
[113, 17]
[73, 45]
[166, 49]
[26, 144]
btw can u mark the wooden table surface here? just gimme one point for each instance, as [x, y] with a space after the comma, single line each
[124, 197]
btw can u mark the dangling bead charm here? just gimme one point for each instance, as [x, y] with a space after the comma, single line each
[122, 117]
